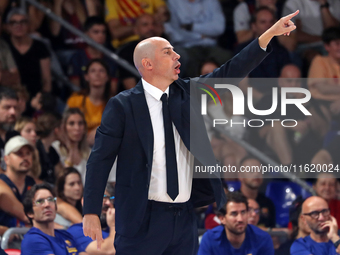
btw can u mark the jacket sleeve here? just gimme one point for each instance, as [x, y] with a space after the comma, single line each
[107, 142]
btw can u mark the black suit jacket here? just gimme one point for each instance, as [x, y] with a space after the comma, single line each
[126, 132]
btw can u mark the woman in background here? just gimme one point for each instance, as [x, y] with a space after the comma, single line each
[93, 100]
[69, 190]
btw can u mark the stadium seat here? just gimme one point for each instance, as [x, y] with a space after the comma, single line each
[282, 194]
[13, 252]
[233, 185]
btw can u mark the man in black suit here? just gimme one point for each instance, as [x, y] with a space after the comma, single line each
[155, 190]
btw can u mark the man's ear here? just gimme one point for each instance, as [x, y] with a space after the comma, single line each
[146, 63]
[6, 159]
[222, 218]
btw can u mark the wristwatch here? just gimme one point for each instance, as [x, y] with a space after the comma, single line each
[336, 244]
[325, 5]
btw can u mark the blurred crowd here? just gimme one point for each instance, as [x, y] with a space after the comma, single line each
[54, 88]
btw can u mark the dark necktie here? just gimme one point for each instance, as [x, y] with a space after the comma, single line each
[170, 152]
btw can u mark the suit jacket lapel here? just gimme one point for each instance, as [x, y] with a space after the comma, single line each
[176, 103]
[143, 122]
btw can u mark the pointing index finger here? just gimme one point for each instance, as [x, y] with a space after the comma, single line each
[292, 15]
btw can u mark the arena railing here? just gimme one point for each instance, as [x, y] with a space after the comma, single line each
[8, 233]
[122, 62]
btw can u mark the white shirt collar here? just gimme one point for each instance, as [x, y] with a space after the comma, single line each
[153, 91]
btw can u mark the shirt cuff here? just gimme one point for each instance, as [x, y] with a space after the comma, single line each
[265, 49]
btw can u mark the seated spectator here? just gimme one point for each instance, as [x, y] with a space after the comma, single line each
[40, 207]
[270, 67]
[314, 17]
[300, 228]
[253, 212]
[250, 185]
[242, 17]
[95, 28]
[107, 220]
[9, 70]
[323, 226]
[8, 115]
[48, 126]
[144, 27]
[294, 144]
[31, 56]
[324, 74]
[93, 100]
[235, 236]
[70, 189]
[23, 100]
[325, 187]
[196, 32]
[64, 42]
[72, 148]
[121, 17]
[18, 158]
[27, 129]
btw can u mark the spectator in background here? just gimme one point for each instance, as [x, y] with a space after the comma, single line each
[27, 129]
[93, 100]
[270, 67]
[121, 17]
[65, 42]
[39, 22]
[9, 70]
[95, 28]
[196, 31]
[145, 28]
[107, 220]
[242, 17]
[250, 185]
[236, 236]
[300, 227]
[31, 56]
[325, 187]
[8, 113]
[253, 212]
[48, 128]
[324, 75]
[72, 146]
[70, 187]
[323, 226]
[40, 207]
[315, 17]
[23, 100]
[295, 144]
[18, 158]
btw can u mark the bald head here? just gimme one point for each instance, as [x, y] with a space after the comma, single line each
[290, 71]
[314, 203]
[145, 50]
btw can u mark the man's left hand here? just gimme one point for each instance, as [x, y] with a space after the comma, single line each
[284, 25]
[333, 229]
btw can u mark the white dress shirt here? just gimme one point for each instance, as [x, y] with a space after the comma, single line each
[158, 186]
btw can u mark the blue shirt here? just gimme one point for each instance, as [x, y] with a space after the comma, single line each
[256, 242]
[76, 230]
[37, 242]
[307, 246]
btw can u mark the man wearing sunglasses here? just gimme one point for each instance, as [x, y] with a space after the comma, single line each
[107, 221]
[40, 207]
[323, 239]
